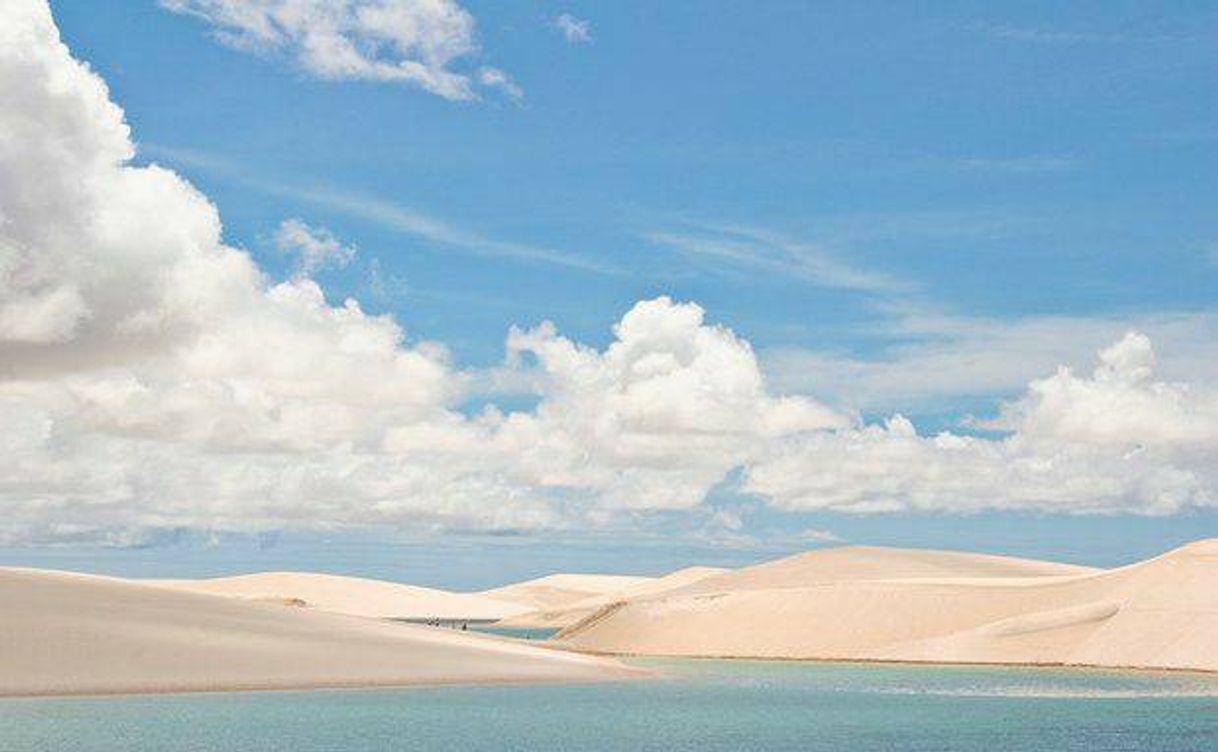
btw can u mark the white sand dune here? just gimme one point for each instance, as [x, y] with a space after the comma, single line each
[572, 612]
[65, 633]
[560, 590]
[353, 595]
[886, 604]
[850, 563]
[858, 563]
[356, 596]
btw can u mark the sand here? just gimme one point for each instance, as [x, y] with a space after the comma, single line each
[895, 605]
[64, 633]
[354, 595]
[555, 600]
[560, 590]
[572, 612]
[850, 563]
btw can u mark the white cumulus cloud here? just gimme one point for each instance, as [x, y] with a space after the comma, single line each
[419, 42]
[1115, 441]
[496, 79]
[152, 376]
[574, 30]
[316, 248]
[180, 386]
[656, 419]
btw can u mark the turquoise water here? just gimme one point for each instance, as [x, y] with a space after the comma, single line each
[519, 633]
[701, 706]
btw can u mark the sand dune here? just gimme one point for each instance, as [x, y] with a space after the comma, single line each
[561, 590]
[572, 612]
[77, 634]
[853, 563]
[889, 604]
[553, 595]
[353, 595]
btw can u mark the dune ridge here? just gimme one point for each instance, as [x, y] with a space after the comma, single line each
[558, 591]
[64, 633]
[898, 605]
[859, 563]
[553, 600]
[355, 596]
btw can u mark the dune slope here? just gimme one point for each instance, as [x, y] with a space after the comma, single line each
[1162, 613]
[569, 613]
[76, 634]
[353, 595]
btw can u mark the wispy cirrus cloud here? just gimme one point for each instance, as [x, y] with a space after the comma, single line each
[1019, 165]
[399, 218]
[388, 214]
[940, 359]
[915, 353]
[1046, 35]
[757, 248]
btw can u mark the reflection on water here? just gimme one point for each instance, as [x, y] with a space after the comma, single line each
[695, 705]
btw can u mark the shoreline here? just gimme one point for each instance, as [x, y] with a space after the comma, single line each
[1082, 667]
[627, 673]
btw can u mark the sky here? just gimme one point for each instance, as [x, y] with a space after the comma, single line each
[376, 287]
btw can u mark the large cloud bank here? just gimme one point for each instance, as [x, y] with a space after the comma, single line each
[152, 376]
[1117, 440]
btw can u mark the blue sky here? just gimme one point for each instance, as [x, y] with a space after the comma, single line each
[853, 188]
[988, 160]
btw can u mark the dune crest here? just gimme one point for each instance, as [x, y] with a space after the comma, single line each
[561, 590]
[355, 596]
[896, 605]
[857, 563]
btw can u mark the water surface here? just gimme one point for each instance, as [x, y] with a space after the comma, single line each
[520, 633]
[698, 705]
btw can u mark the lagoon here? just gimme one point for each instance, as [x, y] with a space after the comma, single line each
[694, 705]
